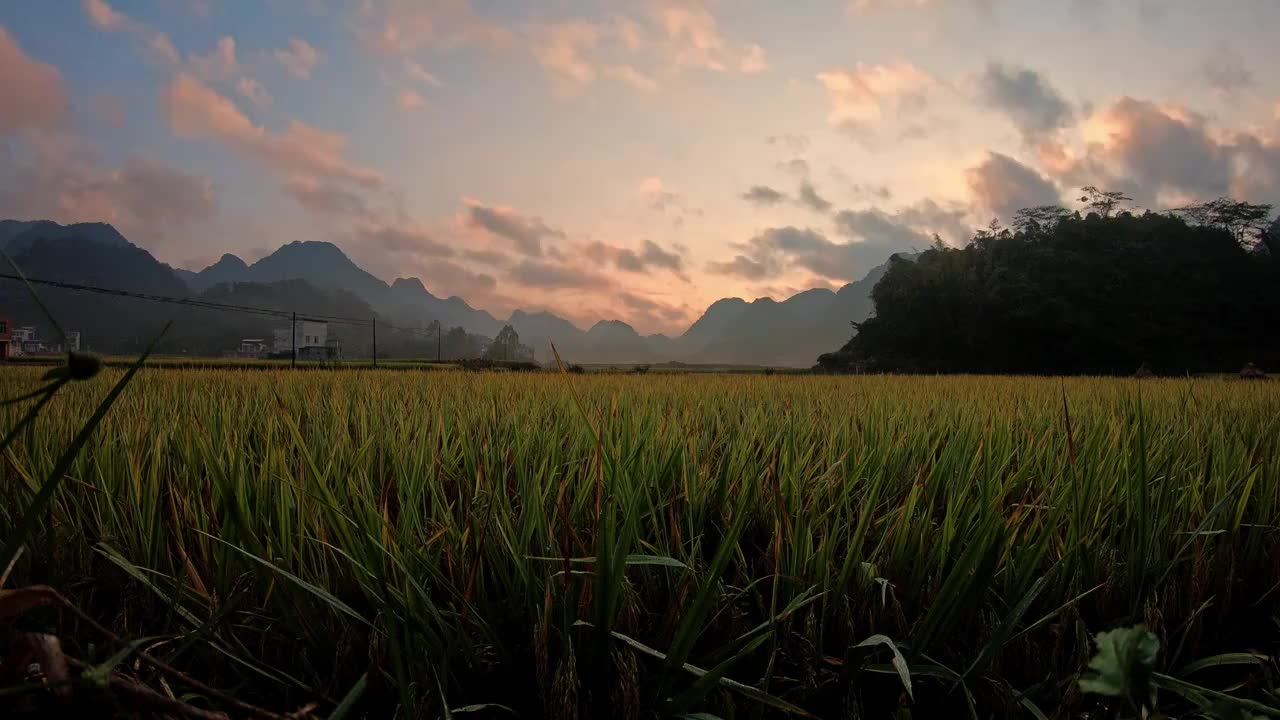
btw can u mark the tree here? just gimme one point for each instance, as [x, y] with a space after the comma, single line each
[1103, 202]
[1039, 218]
[456, 344]
[1241, 219]
[438, 331]
[506, 345]
[1090, 295]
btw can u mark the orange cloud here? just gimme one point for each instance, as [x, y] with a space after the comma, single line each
[32, 90]
[857, 95]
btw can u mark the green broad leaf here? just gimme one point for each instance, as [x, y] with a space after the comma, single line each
[1123, 664]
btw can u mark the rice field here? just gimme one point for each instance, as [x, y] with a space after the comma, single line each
[418, 545]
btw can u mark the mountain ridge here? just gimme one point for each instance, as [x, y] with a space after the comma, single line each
[791, 331]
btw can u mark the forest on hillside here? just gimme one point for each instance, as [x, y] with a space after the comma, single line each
[1104, 292]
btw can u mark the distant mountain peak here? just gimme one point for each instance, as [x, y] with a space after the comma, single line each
[228, 260]
[408, 284]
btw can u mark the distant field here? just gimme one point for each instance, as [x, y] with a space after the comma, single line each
[583, 545]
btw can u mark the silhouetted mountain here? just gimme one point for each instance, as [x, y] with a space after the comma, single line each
[229, 268]
[766, 332]
[790, 332]
[104, 321]
[322, 264]
[18, 235]
[412, 305]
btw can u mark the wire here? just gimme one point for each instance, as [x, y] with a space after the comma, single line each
[211, 305]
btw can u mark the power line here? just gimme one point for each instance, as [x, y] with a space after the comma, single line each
[211, 305]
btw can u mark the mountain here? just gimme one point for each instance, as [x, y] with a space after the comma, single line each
[793, 331]
[18, 235]
[229, 268]
[105, 321]
[409, 303]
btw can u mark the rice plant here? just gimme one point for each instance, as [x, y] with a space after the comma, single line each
[402, 544]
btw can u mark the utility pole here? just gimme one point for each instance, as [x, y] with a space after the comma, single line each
[375, 341]
[293, 340]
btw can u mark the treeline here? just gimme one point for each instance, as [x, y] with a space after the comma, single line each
[1195, 290]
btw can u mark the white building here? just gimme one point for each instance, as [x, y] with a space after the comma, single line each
[306, 334]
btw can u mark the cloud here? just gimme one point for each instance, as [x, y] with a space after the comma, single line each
[648, 257]
[220, 65]
[647, 312]
[405, 238]
[106, 18]
[1257, 161]
[1166, 154]
[628, 75]
[541, 274]
[775, 250]
[858, 96]
[1034, 106]
[763, 195]
[809, 197]
[403, 27]
[693, 40]
[525, 233]
[753, 61]
[409, 99]
[447, 278]
[559, 47]
[420, 74]
[195, 110]
[326, 198]
[860, 6]
[655, 194]
[1226, 72]
[108, 109]
[253, 91]
[300, 58]
[746, 268]
[33, 93]
[63, 179]
[1004, 186]
[928, 216]
[795, 166]
[793, 143]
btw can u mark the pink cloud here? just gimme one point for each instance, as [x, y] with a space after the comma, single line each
[110, 110]
[401, 27]
[300, 58]
[220, 65]
[61, 178]
[196, 110]
[560, 47]
[32, 90]
[409, 100]
[106, 18]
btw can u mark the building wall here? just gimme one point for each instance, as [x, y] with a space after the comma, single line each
[306, 334]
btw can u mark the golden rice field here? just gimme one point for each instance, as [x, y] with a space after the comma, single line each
[400, 544]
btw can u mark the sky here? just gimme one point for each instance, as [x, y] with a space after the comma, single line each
[628, 160]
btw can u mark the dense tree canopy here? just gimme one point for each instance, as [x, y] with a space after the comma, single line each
[1070, 294]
